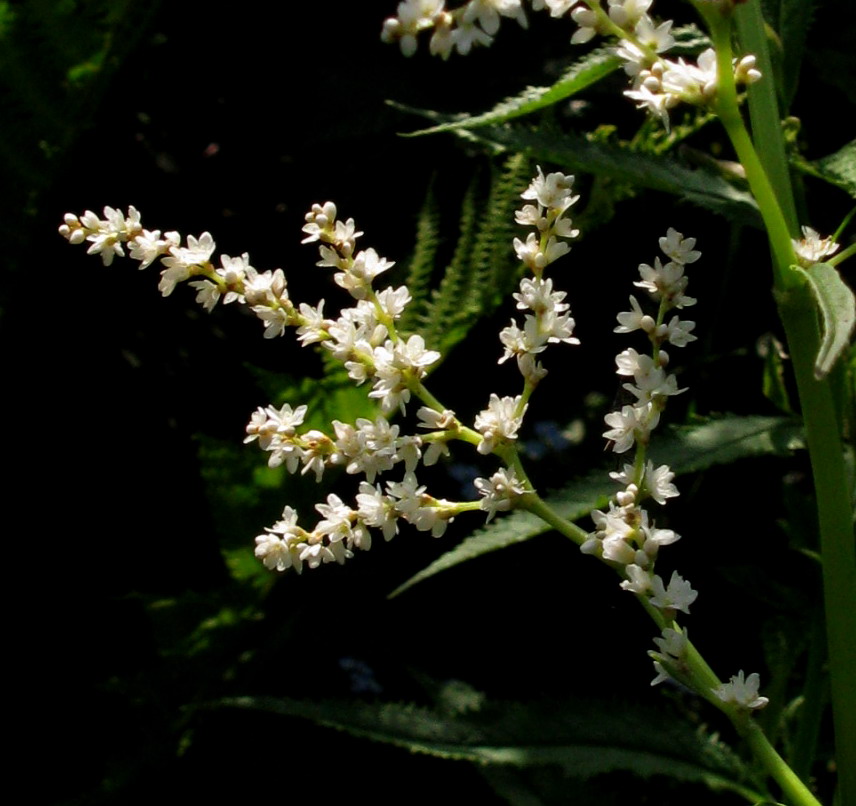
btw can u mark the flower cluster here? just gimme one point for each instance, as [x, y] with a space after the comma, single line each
[365, 340]
[473, 23]
[652, 385]
[624, 534]
[658, 84]
[549, 320]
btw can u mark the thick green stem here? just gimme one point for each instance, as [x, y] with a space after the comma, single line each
[799, 316]
[837, 544]
[764, 111]
[728, 111]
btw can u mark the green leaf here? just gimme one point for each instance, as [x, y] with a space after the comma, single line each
[685, 450]
[583, 737]
[837, 306]
[700, 185]
[580, 75]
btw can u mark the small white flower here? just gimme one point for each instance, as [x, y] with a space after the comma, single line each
[499, 422]
[658, 482]
[499, 491]
[678, 596]
[553, 191]
[149, 246]
[679, 249]
[638, 579]
[742, 692]
[812, 248]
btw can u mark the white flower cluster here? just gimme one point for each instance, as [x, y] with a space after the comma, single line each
[658, 84]
[652, 385]
[661, 84]
[549, 321]
[235, 280]
[365, 340]
[473, 23]
[624, 534]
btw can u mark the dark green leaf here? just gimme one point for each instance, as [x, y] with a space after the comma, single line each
[584, 738]
[701, 185]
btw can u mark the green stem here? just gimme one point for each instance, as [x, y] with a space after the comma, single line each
[702, 678]
[537, 506]
[842, 255]
[794, 790]
[837, 545]
[727, 109]
[799, 316]
[764, 111]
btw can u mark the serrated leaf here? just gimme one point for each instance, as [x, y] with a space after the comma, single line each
[837, 305]
[584, 738]
[580, 75]
[685, 450]
[700, 185]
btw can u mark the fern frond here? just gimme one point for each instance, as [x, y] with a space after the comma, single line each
[481, 271]
[443, 310]
[423, 260]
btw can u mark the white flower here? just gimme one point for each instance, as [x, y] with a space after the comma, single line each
[658, 482]
[499, 491]
[377, 509]
[742, 692]
[337, 523]
[182, 259]
[672, 643]
[280, 548]
[499, 422]
[149, 246]
[638, 579]
[557, 7]
[487, 12]
[677, 332]
[634, 320]
[812, 248]
[357, 278]
[275, 320]
[630, 423]
[267, 288]
[626, 13]
[678, 248]
[553, 191]
[673, 646]
[678, 596]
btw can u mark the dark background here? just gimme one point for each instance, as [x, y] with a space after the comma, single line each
[235, 122]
